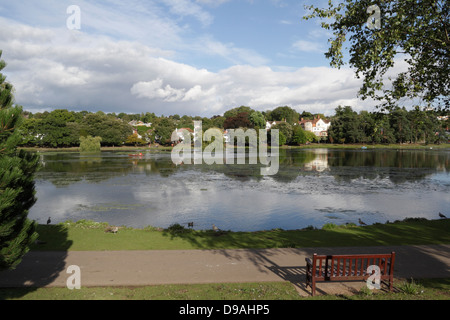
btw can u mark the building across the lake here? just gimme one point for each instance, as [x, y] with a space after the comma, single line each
[318, 126]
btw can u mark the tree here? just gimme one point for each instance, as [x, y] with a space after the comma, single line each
[54, 130]
[17, 193]
[240, 120]
[90, 144]
[401, 125]
[257, 119]
[235, 111]
[284, 114]
[113, 131]
[298, 135]
[414, 31]
[163, 131]
[285, 130]
[135, 140]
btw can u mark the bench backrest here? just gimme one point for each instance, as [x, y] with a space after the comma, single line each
[352, 267]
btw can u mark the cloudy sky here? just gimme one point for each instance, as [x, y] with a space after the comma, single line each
[193, 57]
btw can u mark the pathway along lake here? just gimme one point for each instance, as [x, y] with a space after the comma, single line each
[313, 187]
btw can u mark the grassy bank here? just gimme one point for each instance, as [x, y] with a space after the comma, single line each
[405, 146]
[87, 235]
[426, 289]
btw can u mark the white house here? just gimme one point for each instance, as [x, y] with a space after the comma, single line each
[318, 126]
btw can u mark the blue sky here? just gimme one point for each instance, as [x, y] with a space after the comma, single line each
[196, 57]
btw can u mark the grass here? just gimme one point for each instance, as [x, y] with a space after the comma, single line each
[234, 291]
[426, 289]
[88, 235]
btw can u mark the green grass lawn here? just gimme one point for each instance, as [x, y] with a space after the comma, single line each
[87, 235]
[426, 289]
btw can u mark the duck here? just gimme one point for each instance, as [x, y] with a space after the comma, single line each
[442, 216]
[362, 222]
[190, 224]
[49, 220]
[215, 228]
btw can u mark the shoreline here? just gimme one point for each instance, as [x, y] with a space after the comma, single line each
[417, 146]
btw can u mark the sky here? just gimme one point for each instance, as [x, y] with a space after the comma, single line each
[185, 57]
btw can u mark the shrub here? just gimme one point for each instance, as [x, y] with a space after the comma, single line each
[90, 144]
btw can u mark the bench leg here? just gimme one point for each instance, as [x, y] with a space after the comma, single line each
[313, 287]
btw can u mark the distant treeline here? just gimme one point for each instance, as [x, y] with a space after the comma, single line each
[63, 128]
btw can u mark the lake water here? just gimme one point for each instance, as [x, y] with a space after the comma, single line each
[312, 187]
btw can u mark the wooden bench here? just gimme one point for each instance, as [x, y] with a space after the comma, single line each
[348, 268]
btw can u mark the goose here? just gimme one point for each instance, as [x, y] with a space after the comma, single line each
[442, 216]
[115, 229]
[362, 222]
[49, 220]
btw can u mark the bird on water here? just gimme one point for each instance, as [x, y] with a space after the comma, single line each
[362, 222]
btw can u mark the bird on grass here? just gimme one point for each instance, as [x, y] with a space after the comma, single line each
[442, 216]
[362, 222]
[49, 220]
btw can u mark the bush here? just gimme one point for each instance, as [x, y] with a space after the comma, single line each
[90, 144]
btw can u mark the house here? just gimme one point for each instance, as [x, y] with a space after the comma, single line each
[135, 132]
[317, 126]
[136, 123]
[179, 133]
[270, 124]
[226, 136]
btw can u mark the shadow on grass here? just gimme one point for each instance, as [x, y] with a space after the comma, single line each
[40, 266]
[420, 246]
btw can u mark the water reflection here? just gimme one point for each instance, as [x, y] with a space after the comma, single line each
[312, 187]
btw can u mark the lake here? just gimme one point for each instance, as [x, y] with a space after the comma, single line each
[312, 187]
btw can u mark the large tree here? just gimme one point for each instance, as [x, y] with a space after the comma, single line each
[381, 33]
[17, 193]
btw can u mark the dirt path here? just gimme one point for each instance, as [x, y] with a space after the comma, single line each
[140, 268]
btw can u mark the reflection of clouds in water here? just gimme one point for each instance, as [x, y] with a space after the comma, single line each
[206, 196]
[56, 203]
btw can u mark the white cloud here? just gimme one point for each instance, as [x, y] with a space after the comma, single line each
[189, 8]
[58, 68]
[309, 46]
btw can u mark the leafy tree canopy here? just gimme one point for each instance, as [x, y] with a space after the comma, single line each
[414, 31]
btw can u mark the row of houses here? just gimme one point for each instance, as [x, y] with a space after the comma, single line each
[318, 126]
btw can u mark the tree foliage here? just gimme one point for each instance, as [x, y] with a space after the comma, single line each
[284, 114]
[90, 144]
[416, 32]
[17, 193]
